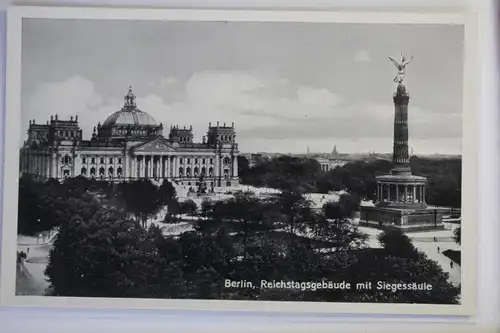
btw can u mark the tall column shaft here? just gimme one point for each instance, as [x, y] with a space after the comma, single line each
[400, 157]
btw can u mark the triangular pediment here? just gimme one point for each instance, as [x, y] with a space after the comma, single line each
[157, 145]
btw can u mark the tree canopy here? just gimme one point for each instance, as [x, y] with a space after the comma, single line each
[357, 177]
[100, 252]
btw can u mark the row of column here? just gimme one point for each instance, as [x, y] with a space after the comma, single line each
[159, 166]
[45, 164]
[147, 167]
[403, 193]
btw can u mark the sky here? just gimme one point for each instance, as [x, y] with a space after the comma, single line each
[286, 86]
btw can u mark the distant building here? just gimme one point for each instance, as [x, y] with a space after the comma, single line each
[130, 145]
[335, 153]
[329, 164]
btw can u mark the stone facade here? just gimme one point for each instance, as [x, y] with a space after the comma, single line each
[130, 145]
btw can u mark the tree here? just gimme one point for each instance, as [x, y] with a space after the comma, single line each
[397, 244]
[106, 256]
[338, 237]
[142, 198]
[295, 215]
[357, 177]
[284, 172]
[457, 235]
[399, 262]
[206, 207]
[344, 208]
[30, 208]
[43, 206]
[207, 260]
[243, 166]
[188, 207]
[171, 218]
[243, 215]
[377, 266]
[166, 193]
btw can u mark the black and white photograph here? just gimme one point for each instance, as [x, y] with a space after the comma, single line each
[222, 161]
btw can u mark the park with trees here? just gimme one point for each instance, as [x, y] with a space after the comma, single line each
[358, 177]
[105, 246]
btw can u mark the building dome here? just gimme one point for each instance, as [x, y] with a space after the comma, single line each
[126, 117]
[130, 115]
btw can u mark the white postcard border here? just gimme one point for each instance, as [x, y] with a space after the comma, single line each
[469, 157]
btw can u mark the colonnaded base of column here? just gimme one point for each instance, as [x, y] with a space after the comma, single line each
[406, 220]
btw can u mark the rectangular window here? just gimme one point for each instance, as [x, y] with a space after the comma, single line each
[93, 160]
[111, 160]
[84, 160]
[119, 161]
[102, 160]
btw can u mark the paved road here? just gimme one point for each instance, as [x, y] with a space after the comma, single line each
[424, 241]
[31, 279]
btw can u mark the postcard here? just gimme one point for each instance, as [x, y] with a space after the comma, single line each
[240, 160]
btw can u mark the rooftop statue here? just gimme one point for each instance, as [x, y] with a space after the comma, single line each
[401, 66]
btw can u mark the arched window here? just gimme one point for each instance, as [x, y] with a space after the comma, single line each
[181, 171]
[84, 172]
[227, 161]
[211, 171]
[188, 171]
[92, 171]
[119, 172]
[101, 171]
[102, 160]
[195, 161]
[211, 161]
[110, 172]
[110, 160]
[203, 161]
[84, 160]
[196, 171]
[66, 159]
[119, 161]
[188, 161]
[203, 171]
[93, 160]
